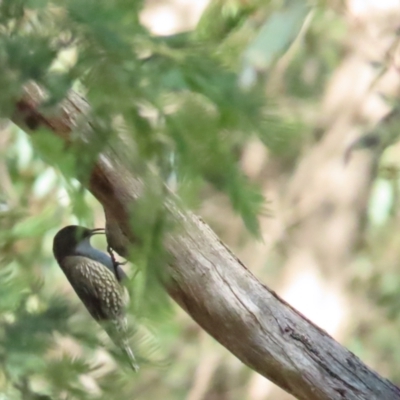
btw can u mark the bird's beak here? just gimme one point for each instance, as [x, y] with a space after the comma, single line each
[98, 231]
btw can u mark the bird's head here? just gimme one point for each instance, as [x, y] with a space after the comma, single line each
[68, 239]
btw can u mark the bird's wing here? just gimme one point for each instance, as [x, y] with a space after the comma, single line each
[96, 286]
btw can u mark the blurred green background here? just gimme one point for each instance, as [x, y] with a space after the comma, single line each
[231, 102]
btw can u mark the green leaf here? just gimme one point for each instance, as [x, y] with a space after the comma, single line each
[273, 39]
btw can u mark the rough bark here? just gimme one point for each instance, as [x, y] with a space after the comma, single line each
[217, 290]
[320, 206]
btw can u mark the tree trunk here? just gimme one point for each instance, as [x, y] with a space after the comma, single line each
[216, 289]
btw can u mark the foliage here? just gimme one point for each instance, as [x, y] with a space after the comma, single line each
[187, 105]
[177, 97]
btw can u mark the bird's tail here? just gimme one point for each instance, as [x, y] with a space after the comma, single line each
[132, 359]
[117, 331]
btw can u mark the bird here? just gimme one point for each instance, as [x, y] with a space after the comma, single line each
[96, 278]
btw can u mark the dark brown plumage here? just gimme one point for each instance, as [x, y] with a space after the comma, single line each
[96, 279]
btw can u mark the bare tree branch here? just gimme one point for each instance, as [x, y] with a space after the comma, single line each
[218, 291]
